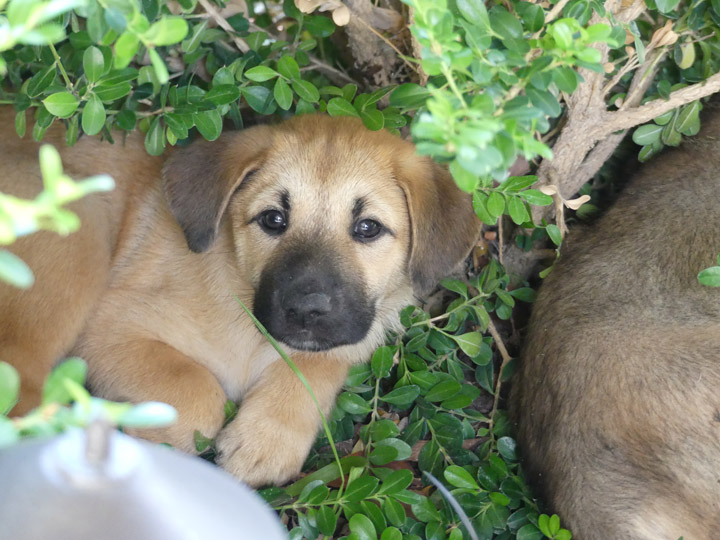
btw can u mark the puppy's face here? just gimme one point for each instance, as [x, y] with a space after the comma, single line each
[323, 233]
[334, 225]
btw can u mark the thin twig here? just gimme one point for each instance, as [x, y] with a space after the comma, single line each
[555, 11]
[644, 113]
[59, 64]
[332, 72]
[222, 23]
[505, 359]
[500, 240]
[387, 42]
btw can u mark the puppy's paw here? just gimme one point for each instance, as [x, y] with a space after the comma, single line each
[262, 455]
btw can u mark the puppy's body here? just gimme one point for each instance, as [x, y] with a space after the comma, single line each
[617, 402]
[281, 218]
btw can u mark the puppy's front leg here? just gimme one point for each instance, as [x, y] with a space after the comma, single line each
[271, 436]
[145, 370]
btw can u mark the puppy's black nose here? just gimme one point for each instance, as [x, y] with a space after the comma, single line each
[305, 308]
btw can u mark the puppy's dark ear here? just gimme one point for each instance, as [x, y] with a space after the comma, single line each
[200, 179]
[443, 223]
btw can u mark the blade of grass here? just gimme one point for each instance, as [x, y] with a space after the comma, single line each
[307, 386]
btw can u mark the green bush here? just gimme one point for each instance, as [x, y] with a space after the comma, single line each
[494, 89]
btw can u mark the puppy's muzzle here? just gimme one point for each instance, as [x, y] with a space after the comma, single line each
[307, 302]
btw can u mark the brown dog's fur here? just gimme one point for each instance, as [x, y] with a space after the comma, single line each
[144, 292]
[617, 402]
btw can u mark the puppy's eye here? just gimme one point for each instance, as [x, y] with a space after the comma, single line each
[367, 229]
[272, 222]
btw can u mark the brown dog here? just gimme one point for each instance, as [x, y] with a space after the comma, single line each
[326, 230]
[617, 402]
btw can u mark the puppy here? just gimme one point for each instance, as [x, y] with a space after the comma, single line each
[617, 402]
[323, 228]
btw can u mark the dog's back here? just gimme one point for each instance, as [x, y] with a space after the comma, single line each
[617, 402]
[41, 324]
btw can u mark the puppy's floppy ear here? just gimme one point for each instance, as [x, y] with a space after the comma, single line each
[443, 223]
[199, 180]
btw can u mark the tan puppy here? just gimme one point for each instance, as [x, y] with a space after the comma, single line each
[326, 230]
[618, 398]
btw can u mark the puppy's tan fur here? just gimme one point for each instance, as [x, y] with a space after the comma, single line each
[157, 321]
[617, 402]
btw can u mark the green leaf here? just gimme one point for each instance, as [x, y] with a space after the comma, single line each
[306, 90]
[545, 101]
[409, 96]
[518, 212]
[480, 207]
[54, 390]
[506, 447]
[288, 67]
[496, 204]
[362, 527]
[314, 493]
[565, 78]
[361, 488]
[402, 449]
[459, 477]
[9, 387]
[8, 433]
[553, 232]
[394, 511]
[202, 442]
[383, 455]
[338, 106]
[93, 64]
[61, 104]
[688, 122]
[395, 482]
[709, 277]
[391, 533]
[402, 396]
[465, 180]
[529, 532]
[535, 197]
[382, 361]
[283, 94]
[425, 510]
[666, 6]
[40, 81]
[155, 138]
[259, 98]
[109, 93]
[373, 119]
[326, 520]
[167, 31]
[505, 24]
[261, 73]
[20, 124]
[444, 389]
[517, 183]
[685, 55]
[208, 123]
[469, 342]
[353, 404]
[159, 67]
[474, 12]
[14, 271]
[148, 415]
[647, 134]
[222, 94]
